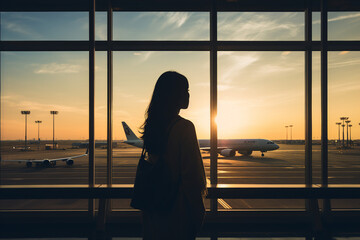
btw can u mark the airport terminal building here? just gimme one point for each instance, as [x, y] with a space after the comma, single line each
[273, 95]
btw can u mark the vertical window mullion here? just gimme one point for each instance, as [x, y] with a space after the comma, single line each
[213, 101]
[109, 94]
[308, 99]
[91, 103]
[324, 100]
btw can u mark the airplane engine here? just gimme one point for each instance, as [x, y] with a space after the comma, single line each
[69, 162]
[228, 152]
[247, 153]
[46, 163]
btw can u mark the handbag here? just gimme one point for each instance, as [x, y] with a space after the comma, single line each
[153, 188]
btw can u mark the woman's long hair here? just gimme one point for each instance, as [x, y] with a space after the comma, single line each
[164, 106]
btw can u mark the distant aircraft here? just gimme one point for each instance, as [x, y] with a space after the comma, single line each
[49, 162]
[226, 147]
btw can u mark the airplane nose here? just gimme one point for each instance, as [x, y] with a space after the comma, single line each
[277, 146]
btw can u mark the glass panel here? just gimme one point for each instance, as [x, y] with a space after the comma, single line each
[161, 26]
[55, 148]
[344, 25]
[258, 204]
[44, 26]
[316, 117]
[344, 86]
[47, 204]
[100, 26]
[265, 26]
[135, 75]
[101, 117]
[316, 26]
[261, 110]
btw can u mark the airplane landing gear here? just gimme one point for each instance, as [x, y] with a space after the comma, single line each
[262, 154]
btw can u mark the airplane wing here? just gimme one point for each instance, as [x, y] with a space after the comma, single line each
[47, 162]
[207, 149]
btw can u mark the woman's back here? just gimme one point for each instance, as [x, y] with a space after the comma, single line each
[183, 160]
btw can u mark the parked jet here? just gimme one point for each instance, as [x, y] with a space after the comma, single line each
[49, 162]
[226, 147]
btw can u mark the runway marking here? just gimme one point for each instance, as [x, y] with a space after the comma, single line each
[221, 201]
[224, 204]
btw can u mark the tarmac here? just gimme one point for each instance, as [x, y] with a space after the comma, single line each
[279, 167]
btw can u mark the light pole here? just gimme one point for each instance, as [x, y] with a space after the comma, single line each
[343, 127]
[347, 132]
[350, 133]
[290, 126]
[338, 123]
[286, 127]
[54, 113]
[38, 122]
[25, 113]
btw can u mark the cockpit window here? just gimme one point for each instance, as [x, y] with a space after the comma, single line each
[270, 142]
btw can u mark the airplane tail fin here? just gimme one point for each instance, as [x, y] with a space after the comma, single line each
[129, 133]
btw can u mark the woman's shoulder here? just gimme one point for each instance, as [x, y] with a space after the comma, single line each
[184, 127]
[184, 123]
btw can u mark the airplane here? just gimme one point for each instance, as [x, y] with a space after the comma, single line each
[226, 147]
[49, 162]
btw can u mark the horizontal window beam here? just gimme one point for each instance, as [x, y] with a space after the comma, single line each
[177, 46]
[177, 5]
[126, 192]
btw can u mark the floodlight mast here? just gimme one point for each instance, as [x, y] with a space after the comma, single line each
[286, 127]
[290, 126]
[38, 122]
[350, 126]
[54, 113]
[343, 127]
[347, 132]
[338, 123]
[25, 113]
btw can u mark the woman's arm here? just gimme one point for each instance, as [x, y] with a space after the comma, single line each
[192, 172]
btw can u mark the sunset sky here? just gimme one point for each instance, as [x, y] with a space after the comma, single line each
[258, 92]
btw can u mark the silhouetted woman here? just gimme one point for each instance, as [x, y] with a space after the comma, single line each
[182, 159]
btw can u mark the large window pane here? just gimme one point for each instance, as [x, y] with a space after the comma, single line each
[44, 26]
[261, 109]
[40, 82]
[344, 85]
[344, 25]
[265, 26]
[161, 26]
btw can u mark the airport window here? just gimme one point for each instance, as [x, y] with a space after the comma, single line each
[258, 75]
[256, 88]
[161, 26]
[344, 26]
[44, 26]
[261, 26]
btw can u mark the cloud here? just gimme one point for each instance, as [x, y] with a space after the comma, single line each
[285, 53]
[345, 87]
[343, 52]
[144, 56]
[250, 26]
[17, 28]
[53, 68]
[339, 18]
[101, 31]
[343, 17]
[176, 19]
[238, 63]
[14, 102]
[348, 63]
